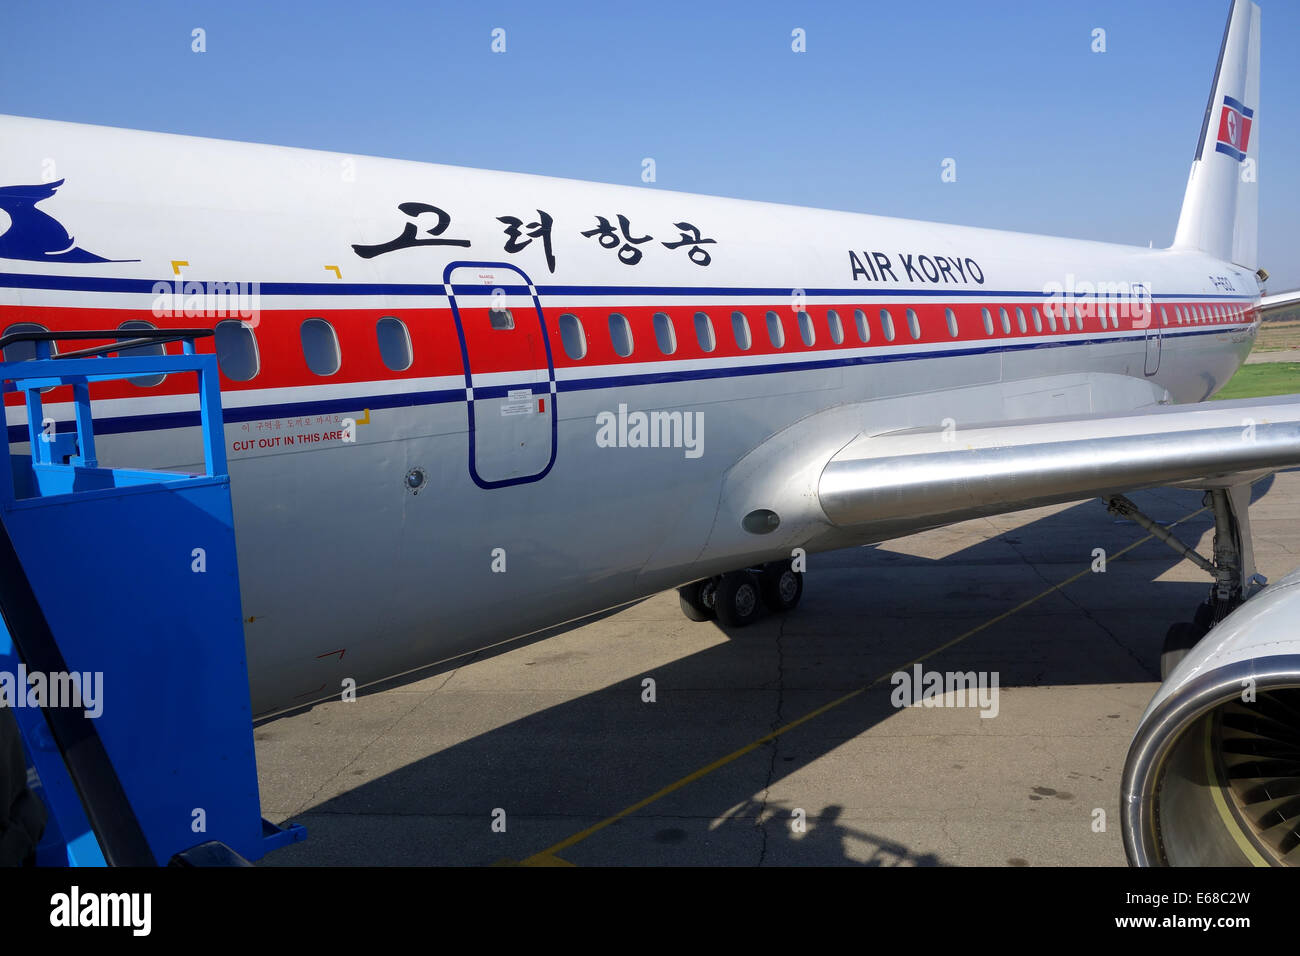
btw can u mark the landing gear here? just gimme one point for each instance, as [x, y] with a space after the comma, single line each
[734, 599]
[697, 599]
[737, 600]
[782, 587]
[1233, 566]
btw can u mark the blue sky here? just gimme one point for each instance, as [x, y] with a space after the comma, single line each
[1047, 135]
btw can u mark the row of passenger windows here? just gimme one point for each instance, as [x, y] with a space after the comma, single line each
[238, 357]
[1192, 314]
[573, 336]
[1052, 319]
[237, 351]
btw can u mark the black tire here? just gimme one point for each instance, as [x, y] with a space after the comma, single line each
[782, 587]
[694, 600]
[1204, 617]
[1179, 640]
[738, 599]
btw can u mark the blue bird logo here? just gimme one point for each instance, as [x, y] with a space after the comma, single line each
[35, 235]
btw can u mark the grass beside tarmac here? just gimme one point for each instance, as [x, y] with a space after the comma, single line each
[1268, 378]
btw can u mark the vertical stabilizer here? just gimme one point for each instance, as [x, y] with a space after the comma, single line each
[1220, 207]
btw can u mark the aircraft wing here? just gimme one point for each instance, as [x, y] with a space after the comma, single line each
[1280, 307]
[932, 476]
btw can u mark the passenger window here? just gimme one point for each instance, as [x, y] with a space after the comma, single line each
[1038, 319]
[394, 343]
[236, 350]
[1164, 318]
[573, 337]
[951, 316]
[1005, 320]
[501, 319]
[320, 346]
[988, 321]
[704, 332]
[887, 325]
[834, 326]
[864, 329]
[665, 334]
[913, 324]
[620, 334]
[1114, 316]
[144, 381]
[25, 351]
[1078, 319]
[806, 330]
[1020, 319]
[775, 330]
[1051, 319]
[740, 330]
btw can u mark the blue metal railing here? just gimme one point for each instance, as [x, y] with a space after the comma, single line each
[98, 578]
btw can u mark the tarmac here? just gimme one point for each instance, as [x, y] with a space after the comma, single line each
[1280, 355]
[779, 744]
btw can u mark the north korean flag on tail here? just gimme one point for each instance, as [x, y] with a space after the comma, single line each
[1234, 129]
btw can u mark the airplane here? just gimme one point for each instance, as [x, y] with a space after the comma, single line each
[462, 406]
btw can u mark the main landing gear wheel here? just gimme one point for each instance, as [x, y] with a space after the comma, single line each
[697, 599]
[782, 587]
[737, 599]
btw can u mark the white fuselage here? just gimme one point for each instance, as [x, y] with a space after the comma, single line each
[550, 508]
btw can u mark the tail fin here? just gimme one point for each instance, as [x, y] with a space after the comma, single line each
[1220, 207]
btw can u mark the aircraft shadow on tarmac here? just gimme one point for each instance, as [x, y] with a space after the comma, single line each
[866, 612]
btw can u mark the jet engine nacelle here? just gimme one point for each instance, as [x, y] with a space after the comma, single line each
[1213, 774]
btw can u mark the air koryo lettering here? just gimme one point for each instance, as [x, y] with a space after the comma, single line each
[877, 266]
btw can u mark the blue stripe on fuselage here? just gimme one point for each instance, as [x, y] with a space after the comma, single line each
[108, 425]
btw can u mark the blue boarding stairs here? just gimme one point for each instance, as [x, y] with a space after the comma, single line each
[128, 580]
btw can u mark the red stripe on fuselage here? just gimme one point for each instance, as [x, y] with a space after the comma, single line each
[436, 345]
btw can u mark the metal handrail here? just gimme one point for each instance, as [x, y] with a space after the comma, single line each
[134, 339]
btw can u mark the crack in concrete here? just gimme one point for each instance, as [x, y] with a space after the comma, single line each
[373, 740]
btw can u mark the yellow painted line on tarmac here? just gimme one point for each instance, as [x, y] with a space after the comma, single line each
[538, 859]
